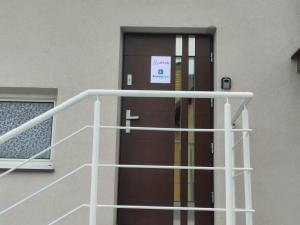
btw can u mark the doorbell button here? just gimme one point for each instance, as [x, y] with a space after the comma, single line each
[226, 83]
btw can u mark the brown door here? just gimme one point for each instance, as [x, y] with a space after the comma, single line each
[153, 186]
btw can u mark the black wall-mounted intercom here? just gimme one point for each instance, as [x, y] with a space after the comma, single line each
[226, 83]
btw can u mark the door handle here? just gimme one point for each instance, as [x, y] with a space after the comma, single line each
[129, 117]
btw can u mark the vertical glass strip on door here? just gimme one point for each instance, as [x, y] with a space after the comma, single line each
[177, 144]
[191, 124]
[177, 141]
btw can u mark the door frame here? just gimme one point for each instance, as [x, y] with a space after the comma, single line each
[206, 32]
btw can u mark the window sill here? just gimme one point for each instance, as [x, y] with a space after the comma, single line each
[37, 164]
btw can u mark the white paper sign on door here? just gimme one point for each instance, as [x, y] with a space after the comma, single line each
[161, 69]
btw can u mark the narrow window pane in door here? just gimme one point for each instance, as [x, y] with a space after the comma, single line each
[191, 140]
[177, 146]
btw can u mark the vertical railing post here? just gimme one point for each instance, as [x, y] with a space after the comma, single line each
[228, 165]
[95, 162]
[233, 177]
[247, 175]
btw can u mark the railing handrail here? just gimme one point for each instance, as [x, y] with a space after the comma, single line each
[230, 169]
[122, 93]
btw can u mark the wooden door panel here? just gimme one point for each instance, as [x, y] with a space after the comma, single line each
[147, 154]
[149, 44]
[144, 217]
[152, 186]
[146, 186]
[203, 119]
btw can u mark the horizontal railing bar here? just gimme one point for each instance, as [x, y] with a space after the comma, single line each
[125, 93]
[170, 208]
[169, 167]
[170, 94]
[161, 167]
[43, 188]
[171, 129]
[162, 208]
[42, 152]
[67, 214]
[243, 169]
[148, 207]
[161, 129]
[244, 210]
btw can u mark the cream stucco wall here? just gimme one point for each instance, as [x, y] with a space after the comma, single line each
[76, 45]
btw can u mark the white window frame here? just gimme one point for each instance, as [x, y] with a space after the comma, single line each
[35, 164]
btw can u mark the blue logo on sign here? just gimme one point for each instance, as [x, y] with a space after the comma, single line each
[160, 71]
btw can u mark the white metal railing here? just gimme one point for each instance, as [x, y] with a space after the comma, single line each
[231, 172]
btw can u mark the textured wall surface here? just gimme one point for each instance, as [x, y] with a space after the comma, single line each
[76, 45]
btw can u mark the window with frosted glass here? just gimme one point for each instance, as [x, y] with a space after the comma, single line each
[32, 141]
